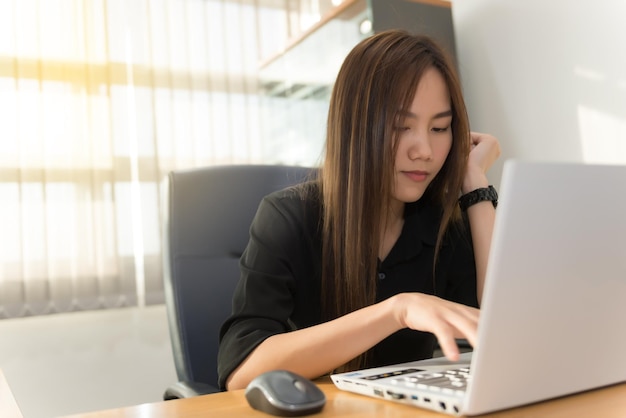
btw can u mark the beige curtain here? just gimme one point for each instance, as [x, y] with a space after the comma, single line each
[99, 100]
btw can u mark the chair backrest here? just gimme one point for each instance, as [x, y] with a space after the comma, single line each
[206, 230]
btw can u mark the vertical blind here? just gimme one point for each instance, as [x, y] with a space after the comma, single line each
[99, 100]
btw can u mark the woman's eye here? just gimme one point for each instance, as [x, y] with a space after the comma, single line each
[440, 130]
[402, 128]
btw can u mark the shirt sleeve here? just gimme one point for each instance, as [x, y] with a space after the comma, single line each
[264, 298]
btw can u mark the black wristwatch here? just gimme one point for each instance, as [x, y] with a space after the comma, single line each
[479, 195]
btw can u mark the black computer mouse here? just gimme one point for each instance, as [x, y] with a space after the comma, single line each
[284, 393]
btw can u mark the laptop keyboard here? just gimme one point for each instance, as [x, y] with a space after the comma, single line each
[453, 382]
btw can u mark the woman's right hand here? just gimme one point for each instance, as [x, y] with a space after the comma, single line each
[446, 320]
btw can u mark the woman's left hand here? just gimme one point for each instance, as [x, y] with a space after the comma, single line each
[485, 150]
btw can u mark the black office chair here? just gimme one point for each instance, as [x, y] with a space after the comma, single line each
[206, 230]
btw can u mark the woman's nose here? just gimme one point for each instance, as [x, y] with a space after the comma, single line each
[420, 148]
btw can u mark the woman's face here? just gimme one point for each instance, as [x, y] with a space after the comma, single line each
[424, 138]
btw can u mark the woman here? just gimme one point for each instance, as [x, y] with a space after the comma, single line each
[370, 262]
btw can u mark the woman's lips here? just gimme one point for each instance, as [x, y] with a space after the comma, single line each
[416, 175]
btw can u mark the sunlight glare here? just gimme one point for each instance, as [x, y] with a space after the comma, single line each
[603, 136]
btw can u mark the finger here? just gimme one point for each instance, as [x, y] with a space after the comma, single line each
[475, 137]
[447, 343]
[464, 321]
[473, 140]
[466, 328]
[457, 322]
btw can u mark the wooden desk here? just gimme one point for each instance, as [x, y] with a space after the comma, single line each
[8, 406]
[607, 403]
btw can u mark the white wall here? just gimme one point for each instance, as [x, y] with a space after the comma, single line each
[547, 77]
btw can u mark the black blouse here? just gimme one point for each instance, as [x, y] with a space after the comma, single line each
[279, 289]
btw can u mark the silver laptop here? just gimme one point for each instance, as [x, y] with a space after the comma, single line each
[554, 309]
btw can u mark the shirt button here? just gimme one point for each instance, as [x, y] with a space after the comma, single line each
[381, 276]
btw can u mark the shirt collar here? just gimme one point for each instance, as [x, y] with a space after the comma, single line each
[421, 219]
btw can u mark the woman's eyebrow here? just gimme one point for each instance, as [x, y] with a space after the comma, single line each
[444, 114]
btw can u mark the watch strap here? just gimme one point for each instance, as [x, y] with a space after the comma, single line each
[479, 195]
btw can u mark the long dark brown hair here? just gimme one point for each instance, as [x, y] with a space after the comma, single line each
[378, 78]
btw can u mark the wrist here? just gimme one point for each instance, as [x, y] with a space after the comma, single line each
[398, 308]
[474, 179]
